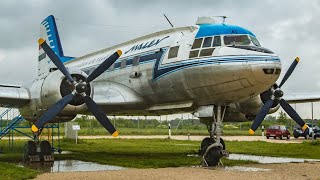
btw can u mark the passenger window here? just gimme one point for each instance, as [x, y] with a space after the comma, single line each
[111, 68]
[206, 52]
[197, 43]
[136, 61]
[194, 54]
[173, 52]
[123, 63]
[207, 42]
[216, 41]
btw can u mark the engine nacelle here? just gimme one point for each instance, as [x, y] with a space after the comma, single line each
[241, 111]
[48, 90]
[252, 106]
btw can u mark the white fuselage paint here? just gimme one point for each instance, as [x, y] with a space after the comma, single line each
[217, 79]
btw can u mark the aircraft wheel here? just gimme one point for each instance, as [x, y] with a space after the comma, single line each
[45, 148]
[30, 149]
[213, 156]
[206, 142]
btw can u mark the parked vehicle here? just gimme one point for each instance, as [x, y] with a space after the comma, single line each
[277, 131]
[297, 131]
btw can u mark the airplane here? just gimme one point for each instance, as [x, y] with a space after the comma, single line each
[216, 71]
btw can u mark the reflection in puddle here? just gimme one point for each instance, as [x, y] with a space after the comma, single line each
[268, 160]
[70, 166]
[245, 169]
[63, 152]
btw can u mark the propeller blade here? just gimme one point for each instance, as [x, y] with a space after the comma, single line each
[293, 114]
[55, 59]
[104, 66]
[52, 112]
[260, 116]
[290, 70]
[100, 115]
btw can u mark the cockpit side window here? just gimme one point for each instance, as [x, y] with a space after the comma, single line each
[207, 42]
[255, 41]
[216, 41]
[207, 48]
[197, 43]
[236, 40]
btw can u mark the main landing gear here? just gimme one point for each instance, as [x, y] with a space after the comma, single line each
[212, 149]
[38, 151]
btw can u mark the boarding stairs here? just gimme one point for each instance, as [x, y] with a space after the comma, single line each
[15, 117]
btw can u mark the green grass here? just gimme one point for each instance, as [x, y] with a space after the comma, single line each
[307, 149]
[11, 171]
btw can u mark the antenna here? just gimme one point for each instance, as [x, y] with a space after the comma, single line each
[168, 20]
[223, 18]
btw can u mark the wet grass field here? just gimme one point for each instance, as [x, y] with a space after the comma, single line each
[149, 153]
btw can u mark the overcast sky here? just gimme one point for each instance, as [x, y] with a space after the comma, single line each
[288, 27]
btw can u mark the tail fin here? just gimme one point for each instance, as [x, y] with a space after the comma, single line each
[49, 32]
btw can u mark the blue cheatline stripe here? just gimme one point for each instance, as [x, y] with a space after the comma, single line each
[54, 39]
[220, 29]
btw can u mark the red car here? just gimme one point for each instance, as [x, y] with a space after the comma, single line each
[277, 131]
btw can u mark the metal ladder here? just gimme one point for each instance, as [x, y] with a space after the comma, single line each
[14, 122]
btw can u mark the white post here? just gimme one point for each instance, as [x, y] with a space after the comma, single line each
[76, 136]
[169, 131]
[262, 132]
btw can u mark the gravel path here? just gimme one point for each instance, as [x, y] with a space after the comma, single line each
[272, 171]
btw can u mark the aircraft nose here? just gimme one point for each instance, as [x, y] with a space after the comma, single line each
[266, 72]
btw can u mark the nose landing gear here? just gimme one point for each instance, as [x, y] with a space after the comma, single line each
[213, 149]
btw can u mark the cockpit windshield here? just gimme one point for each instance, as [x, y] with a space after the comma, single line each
[236, 40]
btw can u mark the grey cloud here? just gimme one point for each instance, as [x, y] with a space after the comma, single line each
[290, 28]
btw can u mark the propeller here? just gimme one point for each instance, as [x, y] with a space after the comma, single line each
[276, 97]
[80, 89]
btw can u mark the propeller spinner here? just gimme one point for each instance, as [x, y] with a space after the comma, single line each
[276, 95]
[80, 88]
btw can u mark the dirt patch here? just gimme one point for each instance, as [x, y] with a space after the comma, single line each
[276, 171]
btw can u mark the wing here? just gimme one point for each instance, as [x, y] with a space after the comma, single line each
[302, 98]
[13, 96]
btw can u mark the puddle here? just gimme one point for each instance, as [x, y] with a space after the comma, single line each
[63, 152]
[245, 169]
[268, 160]
[70, 166]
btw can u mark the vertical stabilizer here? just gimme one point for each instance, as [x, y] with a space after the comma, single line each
[49, 32]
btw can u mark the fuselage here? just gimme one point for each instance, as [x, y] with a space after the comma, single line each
[203, 64]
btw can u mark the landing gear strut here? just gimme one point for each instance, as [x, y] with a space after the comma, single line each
[36, 151]
[213, 149]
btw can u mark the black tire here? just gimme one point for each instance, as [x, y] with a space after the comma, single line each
[45, 148]
[281, 137]
[213, 157]
[30, 149]
[206, 142]
[296, 137]
[268, 137]
[307, 136]
[274, 137]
